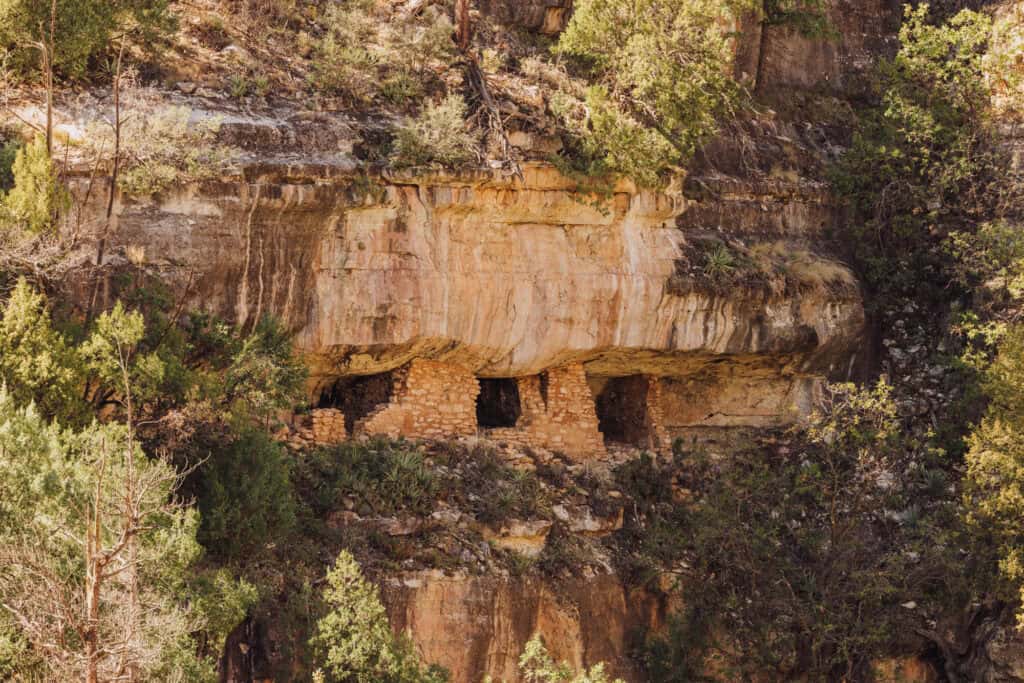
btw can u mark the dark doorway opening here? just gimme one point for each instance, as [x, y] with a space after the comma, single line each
[356, 397]
[622, 410]
[498, 403]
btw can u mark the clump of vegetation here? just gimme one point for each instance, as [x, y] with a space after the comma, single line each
[774, 267]
[720, 262]
[793, 584]
[37, 366]
[920, 165]
[354, 640]
[1004, 65]
[8, 153]
[88, 520]
[37, 197]
[994, 460]
[381, 476]
[163, 147]
[658, 83]
[83, 30]
[807, 17]
[245, 494]
[493, 490]
[438, 135]
[537, 666]
[364, 55]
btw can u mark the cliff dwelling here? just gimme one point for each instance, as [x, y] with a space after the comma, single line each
[356, 397]
[498, 404]
[629, 411]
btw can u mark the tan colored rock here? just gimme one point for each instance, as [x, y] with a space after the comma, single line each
[524, 537]
[478, 626]
[904, 670]
[581, 519]
[502, 277]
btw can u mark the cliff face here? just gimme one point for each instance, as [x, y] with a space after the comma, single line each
[501, 276]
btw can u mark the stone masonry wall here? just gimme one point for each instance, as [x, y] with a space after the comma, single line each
[657, 434]
[557, 414]
[329, 426]
[430, 400]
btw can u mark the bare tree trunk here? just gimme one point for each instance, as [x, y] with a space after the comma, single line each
[477, 79]
[94, 581]
[463, 26]
[131, 512]
[101, 246]
[48, 65]
[762, 47]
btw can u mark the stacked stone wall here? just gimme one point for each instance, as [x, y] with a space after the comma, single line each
[557, 414]
[429, 400]
[657, 434]
[329, 426]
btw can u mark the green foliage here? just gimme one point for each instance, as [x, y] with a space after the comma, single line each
[437, 135]
[111, 354]
[365, 54]
[918, 166]
[245, 496]
[8, 153]
[805, 553]
[386, 476]
[38, 197]
[224, 603]
[354, 639]
[265, 375]
[84, 29]
[720, 262]
[537, 666]
[659, 78]
[493, 490]
[989, 262]
[49, 482]
[36, 364]
[807, 17]
[995, 461]
[1004, 64]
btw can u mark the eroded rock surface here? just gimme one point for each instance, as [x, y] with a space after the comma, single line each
[477, 626]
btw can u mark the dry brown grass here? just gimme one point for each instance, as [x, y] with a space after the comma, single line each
[802, 268]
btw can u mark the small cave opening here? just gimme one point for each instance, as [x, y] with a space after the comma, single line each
[357, 396]
[498, 405]
[622, 410]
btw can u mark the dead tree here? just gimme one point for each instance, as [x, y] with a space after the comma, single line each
[117, 123]
[478, 81]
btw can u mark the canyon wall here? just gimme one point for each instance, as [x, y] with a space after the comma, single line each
[421, 287]
[495, 276]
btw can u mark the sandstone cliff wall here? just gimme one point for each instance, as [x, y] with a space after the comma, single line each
[478, 626]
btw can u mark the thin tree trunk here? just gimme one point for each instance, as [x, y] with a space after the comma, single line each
[463, 27]
[762, 46]
[132, 522]
[49, 78]
[101, 247]
[94, 581]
